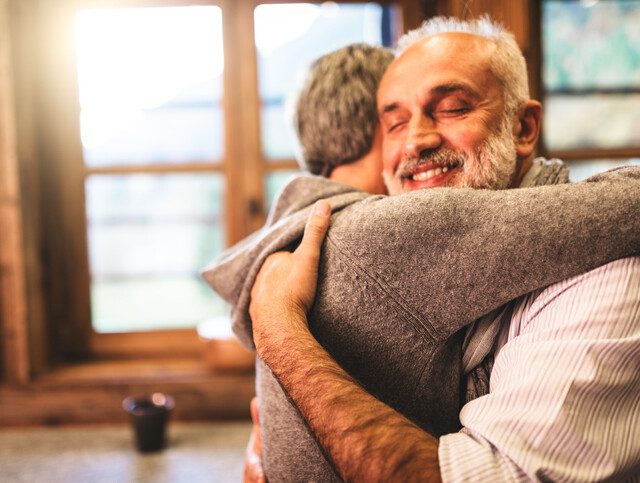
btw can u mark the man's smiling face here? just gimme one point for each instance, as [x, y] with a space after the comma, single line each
[443, 117]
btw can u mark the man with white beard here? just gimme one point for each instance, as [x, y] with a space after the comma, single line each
[562, 403]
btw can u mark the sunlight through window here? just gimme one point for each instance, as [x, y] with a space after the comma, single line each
[149, 79]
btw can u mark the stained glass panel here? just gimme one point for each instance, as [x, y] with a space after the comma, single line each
[591, 73]
[591, 44]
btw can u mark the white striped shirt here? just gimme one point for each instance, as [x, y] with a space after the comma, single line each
[564, 400]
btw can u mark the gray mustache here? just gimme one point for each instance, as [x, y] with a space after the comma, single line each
[441, 156]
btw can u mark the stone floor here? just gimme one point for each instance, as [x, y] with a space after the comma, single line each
[196, 452]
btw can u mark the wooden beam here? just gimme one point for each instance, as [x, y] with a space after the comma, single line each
[24, 38]
[512, 13]
[14, 338]
[233, 208]
[594, 153]
[248, 106]
[161, 343]
[281, 164]
[66, 269]
[191, 167]
[93, 393]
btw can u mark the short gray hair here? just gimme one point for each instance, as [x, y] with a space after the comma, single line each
[507, 63]
[335, 113]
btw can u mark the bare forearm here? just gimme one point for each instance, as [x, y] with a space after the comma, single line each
[366, 439]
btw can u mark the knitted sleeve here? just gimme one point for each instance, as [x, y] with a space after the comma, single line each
[452, 255]
[400, 276]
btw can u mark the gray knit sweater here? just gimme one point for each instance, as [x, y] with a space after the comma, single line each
[401, 276]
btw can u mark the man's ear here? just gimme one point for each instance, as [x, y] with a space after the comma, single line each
[527, 128]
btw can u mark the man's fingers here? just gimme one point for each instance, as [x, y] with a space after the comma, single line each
[255, 413]
[314, 232]
[255, 417]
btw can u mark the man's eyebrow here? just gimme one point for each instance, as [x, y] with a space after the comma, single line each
[438, 91]
[450, 88]
[388, 108]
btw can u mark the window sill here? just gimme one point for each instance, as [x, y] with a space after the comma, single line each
[92, 392]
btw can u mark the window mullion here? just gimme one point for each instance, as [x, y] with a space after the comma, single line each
[244, 158]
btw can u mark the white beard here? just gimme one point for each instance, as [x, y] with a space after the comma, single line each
[494, 163]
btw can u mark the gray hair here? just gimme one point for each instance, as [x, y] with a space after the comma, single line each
[335, 114]
[507, 63]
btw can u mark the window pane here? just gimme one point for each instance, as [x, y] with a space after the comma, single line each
[150, 83]
[274, 182]
[288, 38]
[591, 44]
[591, 73]
[149, 235]
[594, 121]
[579, 170]
[278, 136]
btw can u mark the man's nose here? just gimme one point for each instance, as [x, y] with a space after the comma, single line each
[422, 136]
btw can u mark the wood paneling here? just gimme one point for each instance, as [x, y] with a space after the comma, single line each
[413, 14]
[512, 13]
[521, 17]
[62, 180]
[14, 338]
[154, 344]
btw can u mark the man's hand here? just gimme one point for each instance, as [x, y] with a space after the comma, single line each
[253, 471]
[365, 439]
[286, 283]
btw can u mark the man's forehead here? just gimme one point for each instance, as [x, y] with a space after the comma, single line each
[461, 46]
[444, 59]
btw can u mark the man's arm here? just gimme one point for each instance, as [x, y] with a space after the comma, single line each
[253, 472]
[365, 439]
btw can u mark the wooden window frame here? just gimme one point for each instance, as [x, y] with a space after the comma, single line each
[54, 367]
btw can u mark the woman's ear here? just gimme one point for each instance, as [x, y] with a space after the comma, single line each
[527, 128]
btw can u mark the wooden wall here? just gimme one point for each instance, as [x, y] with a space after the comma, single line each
[13, 297]
[521, 17]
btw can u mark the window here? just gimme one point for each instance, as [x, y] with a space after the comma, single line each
[148, 137]
[591, 77]
[152, 130]
[150, 107]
